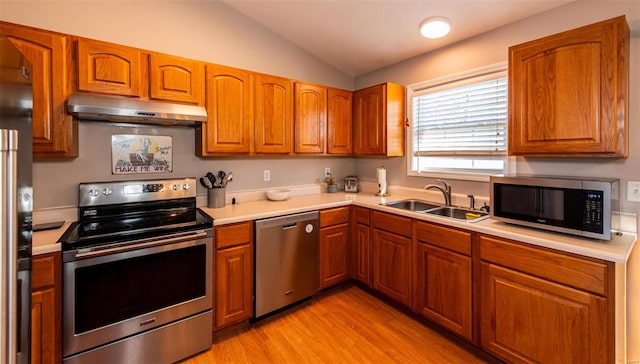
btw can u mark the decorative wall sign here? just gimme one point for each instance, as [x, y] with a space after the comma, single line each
[141, 154]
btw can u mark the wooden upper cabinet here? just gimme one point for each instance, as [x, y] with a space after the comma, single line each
[378, 120]
[568, 93]
[178, 79]
[229, 104]
[310, 120]
[339, 121]
[322, 121]
[109, 68]
[273, 115]
[55, 134]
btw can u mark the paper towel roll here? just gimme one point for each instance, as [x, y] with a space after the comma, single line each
[382, 181]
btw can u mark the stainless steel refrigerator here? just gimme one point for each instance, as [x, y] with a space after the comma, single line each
[16, 205]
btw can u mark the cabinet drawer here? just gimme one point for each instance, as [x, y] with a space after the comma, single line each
[43, 271]
[393, 223]
[362, 215]
[334, 216]
[447, 238]
[234, 234]
[579, 273]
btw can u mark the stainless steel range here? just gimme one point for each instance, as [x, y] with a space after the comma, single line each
[137, 274]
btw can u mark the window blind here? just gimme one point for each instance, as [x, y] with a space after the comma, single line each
[466, 120]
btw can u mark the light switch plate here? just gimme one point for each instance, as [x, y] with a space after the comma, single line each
[633, 191]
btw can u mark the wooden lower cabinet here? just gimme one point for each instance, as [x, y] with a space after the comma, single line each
[361, 245]
[334, 246]
[391, 253]
[362, 253]
[46, 309]
[233, 280]
[525, 319]
[443, 281]
[531, 314]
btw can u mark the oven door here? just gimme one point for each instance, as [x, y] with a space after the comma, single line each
[114, 295]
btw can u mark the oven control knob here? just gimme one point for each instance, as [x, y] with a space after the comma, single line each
[175, 187]
[186, 186]
[107, 191]
[93, 192]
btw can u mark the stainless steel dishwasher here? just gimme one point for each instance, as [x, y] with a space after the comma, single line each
[286, 260]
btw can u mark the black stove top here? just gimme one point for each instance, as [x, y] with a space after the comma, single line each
[113, 212]
[83, 234]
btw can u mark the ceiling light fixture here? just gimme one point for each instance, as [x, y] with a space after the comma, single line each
[435, 27]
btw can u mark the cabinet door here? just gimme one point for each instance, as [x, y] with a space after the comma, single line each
[369, 120]
[339, 122]
[334, 255]
[178, 79]
[444, 288]
[310, 119]
[234, 285]
[378, 120]
[362, 254]
[43, 326]
[392, 265]
[525, 319]
[229, 102]
[109, 68]
[568, 92]
[55, 134]
[46, 309]
[274, 115]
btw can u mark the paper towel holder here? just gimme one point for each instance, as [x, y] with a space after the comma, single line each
[381, 175]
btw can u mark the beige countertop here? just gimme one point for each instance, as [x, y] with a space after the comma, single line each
[616, 250]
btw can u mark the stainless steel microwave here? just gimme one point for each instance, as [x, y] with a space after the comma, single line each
[573, 205]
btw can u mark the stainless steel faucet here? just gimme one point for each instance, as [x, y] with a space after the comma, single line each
[445, 189]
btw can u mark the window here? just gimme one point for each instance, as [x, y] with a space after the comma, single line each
[459, 125]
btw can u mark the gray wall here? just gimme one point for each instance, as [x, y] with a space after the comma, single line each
[212, 31]
[55, 182]
[205, 30]
[490, 48]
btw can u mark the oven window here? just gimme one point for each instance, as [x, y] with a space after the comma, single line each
[111, 292]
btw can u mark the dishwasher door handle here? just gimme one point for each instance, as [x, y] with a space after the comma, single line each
[289, 226]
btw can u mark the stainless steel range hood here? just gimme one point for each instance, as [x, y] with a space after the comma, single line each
[106, 108]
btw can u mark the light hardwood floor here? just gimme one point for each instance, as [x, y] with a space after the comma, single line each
[343, 325]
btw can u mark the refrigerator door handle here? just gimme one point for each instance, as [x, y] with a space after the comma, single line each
[9, 245]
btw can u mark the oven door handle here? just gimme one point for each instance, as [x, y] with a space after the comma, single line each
[139, 244]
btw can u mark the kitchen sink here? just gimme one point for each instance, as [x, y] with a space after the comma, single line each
[412, 205]
[459, 213]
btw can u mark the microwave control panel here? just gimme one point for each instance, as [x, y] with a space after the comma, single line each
[592, 213]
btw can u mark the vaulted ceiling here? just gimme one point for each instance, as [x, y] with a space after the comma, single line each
[359, 36]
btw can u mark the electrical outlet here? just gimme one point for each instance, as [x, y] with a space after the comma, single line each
[633, 191]
[327, 172]
[267, 175]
